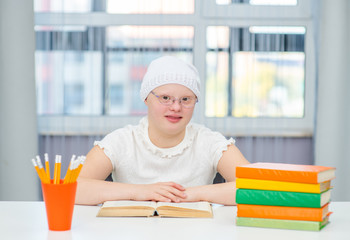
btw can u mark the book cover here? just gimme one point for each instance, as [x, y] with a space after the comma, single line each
[150, 209]
[282, 198]
[286, 172]
[282, 186]
[282, 224]
[278, 212]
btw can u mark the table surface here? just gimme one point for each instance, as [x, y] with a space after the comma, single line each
[27, 220]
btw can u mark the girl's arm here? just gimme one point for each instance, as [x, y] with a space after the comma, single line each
[222, 193]
[93, 189]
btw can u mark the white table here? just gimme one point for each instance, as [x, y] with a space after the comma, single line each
[27, 220]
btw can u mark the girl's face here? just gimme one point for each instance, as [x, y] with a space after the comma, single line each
[169, 119]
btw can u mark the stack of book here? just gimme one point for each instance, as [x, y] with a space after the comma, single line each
[286, 196]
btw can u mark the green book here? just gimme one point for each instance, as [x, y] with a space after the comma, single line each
[282, 224]
[281, 198]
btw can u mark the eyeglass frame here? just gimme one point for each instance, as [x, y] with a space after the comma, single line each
[173, 99]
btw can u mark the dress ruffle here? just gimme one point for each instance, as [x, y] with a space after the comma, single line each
[142, 131]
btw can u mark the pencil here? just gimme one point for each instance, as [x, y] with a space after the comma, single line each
[47, 166]
[82, 160]
[57, 171]
[41, 170]
[37, 170]
[74, 172]
[69, 170]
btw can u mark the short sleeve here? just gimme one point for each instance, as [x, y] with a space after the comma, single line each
[222, 146]
[214, 144]
[113, 144]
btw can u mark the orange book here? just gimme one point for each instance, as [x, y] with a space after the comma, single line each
[277, 212]
[286, 172]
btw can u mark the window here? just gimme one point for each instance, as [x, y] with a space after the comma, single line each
[259, 2]
[116, 6]
[255, 60]
[255, 72]
[129, 51]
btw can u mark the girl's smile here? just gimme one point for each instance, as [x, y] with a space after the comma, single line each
[173, 118]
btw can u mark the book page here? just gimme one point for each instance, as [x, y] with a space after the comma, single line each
[129, 204]
[127, 209]
[205, 206]
[326, 175]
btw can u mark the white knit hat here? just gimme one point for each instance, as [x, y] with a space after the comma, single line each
[168, 69]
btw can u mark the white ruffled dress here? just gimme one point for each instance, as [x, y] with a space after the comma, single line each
[137, 160]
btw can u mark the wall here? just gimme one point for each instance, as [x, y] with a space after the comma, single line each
[332, 128]
[18, 129]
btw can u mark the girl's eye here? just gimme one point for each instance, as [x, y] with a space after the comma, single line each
[185, 99]
[165, 97]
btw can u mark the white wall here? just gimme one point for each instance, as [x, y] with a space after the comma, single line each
[332, 145]
[18, 129]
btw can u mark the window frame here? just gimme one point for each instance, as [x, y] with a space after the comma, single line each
[207, 13]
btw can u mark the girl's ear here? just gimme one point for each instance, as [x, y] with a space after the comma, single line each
[146, 102]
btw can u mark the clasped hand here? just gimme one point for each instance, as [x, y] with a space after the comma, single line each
[160, 192]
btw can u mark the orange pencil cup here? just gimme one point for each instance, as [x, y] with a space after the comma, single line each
[59, 202]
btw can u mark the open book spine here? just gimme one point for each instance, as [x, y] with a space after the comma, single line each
[159, 209]
[282, 172]
[282, 198]
[282, 186]
[282, 224]
[277, 212]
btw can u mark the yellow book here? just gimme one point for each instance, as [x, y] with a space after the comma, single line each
[150, 209]
[282, 186]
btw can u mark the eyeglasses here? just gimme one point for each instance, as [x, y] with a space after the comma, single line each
[186, 102]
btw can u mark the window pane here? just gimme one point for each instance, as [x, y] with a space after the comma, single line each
[116, 6]
[273, 2]
[77, 6]
[130, 49]
[68, 71]
[151, 6]
[259, 2]
[260, 74]
[68, 82]
[216, 97]
[268, 84]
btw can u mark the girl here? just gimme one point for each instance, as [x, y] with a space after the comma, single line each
[165, 157]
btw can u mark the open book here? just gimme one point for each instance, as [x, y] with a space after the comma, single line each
[149, 209]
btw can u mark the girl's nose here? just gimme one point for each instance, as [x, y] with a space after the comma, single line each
[176, 105]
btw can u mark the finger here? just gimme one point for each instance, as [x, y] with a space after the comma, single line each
[176, 185]
[173, 194]
[177, 193]
[160, 198]
[174, 191]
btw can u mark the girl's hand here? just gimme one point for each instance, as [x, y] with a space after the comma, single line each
[159, 192]
[194, 194]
